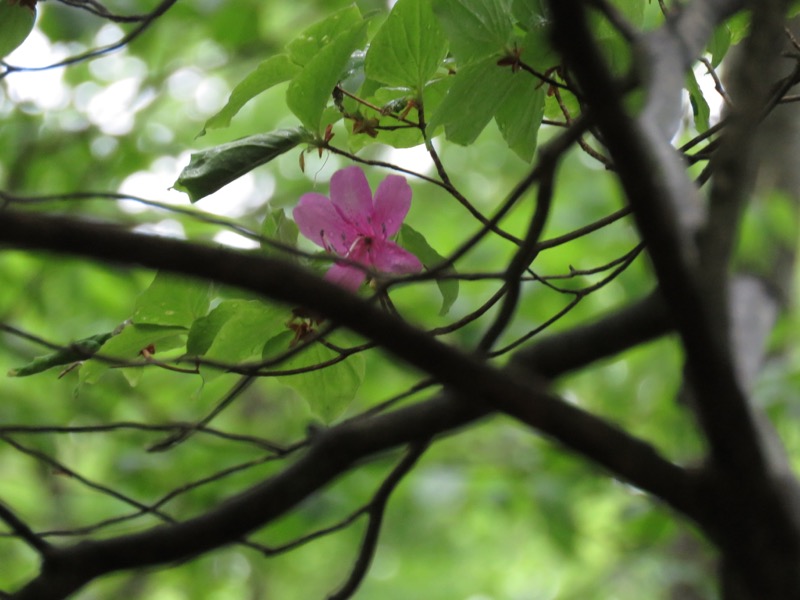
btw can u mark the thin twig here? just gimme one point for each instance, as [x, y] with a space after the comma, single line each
[97, 52]
[22, 531]
[376, 511]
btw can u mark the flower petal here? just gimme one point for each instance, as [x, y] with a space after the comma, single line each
[392, 200]
[320, 222]
[352, 197]
[361, 251]
[346, 276]
[388, 257]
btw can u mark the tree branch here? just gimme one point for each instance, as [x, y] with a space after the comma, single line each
[667, 211]
[475, 388]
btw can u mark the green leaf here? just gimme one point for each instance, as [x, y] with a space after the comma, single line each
[171, 301]
[476, 28]
[720, 42]
[211, 169]
[700, 108]
[538, 51]
[278, 227]
[328, 390]
[16, 24]
[520, 116]
[531, 14]
[269, 73]
[408, 48]
[476, 94]
[76, 351]
[739, 26]
[308, 44]
[128, 345]
[310, 91]
[236, 330]
[415, 242]
[553, 110]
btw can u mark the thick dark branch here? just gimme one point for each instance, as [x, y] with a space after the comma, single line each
[666, 207]
[332, 454]
[670, 51]
[21, 529]
[475, 389]
[571, 350]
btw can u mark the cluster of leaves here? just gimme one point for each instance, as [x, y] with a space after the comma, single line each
[450, 65]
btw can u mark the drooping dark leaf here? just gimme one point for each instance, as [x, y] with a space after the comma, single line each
[211, 169]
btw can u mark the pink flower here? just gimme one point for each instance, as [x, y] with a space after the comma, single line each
[354, 225]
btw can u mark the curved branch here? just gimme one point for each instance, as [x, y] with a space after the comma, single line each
[668, 214]
[475, 389]
[375, 512]
[21, 530]
[121, 43]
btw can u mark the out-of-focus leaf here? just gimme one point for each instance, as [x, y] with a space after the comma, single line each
[554, 110]
[631, 10]
[329, 390]
[720, 42]
[171, 301]
[76, 351]
[415, 242]
[278, 227]
[408, 48]
[558, 517]
[700, 109]
[739, 26]
[271, 72]
[16, 24]
[768, 231]
[211, 169]
[612, 43]
[476, 28]
[310, 91]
